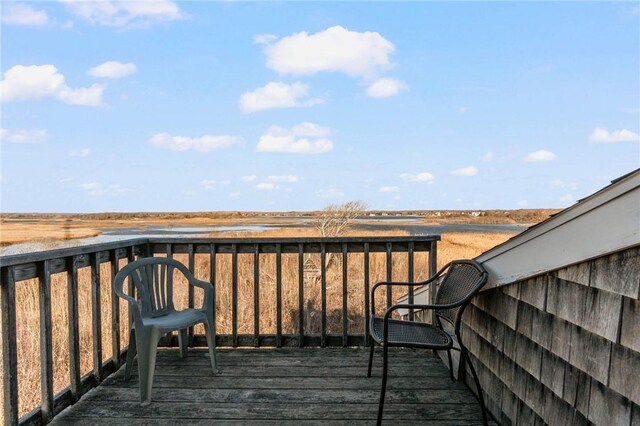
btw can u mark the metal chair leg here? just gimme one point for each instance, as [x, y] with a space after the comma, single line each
[384, 383]
[370, 358]
[450, 365]
[464, 353]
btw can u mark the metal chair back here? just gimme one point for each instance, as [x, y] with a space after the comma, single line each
[463, 280]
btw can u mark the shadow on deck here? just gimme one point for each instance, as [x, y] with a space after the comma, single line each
[282, 386]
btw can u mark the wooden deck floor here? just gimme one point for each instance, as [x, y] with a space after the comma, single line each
[282, 386]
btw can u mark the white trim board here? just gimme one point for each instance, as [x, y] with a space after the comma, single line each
[602, 223]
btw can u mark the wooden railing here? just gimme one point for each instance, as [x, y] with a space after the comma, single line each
[310, 256]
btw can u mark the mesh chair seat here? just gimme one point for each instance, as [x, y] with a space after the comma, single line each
[411, 334]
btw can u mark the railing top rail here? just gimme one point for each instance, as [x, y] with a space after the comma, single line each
[18, 259]
[313, 240]
[38, 256]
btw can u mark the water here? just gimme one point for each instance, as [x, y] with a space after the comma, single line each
[378, 223]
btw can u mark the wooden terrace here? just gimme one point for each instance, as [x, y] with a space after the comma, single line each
[282, 386]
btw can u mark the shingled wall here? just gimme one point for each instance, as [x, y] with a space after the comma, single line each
[563, 347]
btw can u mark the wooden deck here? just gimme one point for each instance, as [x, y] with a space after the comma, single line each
[282, 386]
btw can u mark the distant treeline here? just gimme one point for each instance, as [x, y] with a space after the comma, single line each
[477, 216]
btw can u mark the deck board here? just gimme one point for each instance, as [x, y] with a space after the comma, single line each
[282, 386]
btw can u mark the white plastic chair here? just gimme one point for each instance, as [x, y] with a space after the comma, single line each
[154, 314]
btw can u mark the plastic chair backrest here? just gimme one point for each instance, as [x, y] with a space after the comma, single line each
[153, 281]
[463, 280]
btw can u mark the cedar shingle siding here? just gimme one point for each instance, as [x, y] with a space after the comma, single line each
[562, 347]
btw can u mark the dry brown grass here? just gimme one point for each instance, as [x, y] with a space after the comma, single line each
[452, 246]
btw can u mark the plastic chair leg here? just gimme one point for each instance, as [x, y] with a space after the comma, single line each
[147, 342]
[131, 354]
[211, 343]
[183, 342]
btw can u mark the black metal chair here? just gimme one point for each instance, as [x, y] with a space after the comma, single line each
[458, 282]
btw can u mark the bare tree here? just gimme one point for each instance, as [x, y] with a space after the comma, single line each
[333, 220]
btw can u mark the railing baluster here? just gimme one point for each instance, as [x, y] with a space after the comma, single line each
[9, 347]
[212, 279]
[301, 294]
[389, 273]
[74, 328]
[323, 291]
[115, 311]
[367, 312]
[345, 318]
[256, 294]
[410, 277]
[46, 343]
[234, 295]
[96, 316]
[191, 293]
[279, 295]
[433, 269]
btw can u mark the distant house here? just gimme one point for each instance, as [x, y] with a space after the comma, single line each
[555, 334]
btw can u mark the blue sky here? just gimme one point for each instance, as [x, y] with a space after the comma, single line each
[203, 106]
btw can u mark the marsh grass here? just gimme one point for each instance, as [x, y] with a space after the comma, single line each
[452, 246]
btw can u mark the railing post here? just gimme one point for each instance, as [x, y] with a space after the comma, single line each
[96, 316]
[212, 280]
[278, 295]
[234, 295]
[345, 313]
[433, 269]
[191, 296]
[389, 273]
[46, 344]
[323, 291]
[115, 311]
[301, 294]
[74, 328]
[367, 312]
[9, 347]
[410, 277]
[256, 294]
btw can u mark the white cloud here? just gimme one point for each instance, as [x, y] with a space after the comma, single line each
[487, 157]
[522, 203]
[23, 136]
[66, 180]
[566, 197]
[601, 135]
[208, 184]
[225, 182]
[558, 183]
[113, 69]
[45, 81]
[264, 38]
[203, 143]
[121, 13]
[420, 177]
[80, 152]
[358, 54]
[266, 186]
[305, 138]
[389, 189]
[540, 156]
[465, 171]
[248, 178]
[96, 189]
[235, 194]
[385, 87]
[330, 193]
[277, 95]
[283, 179]
[24, 14]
